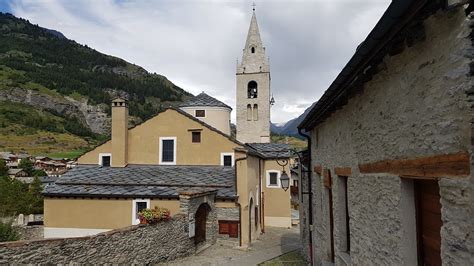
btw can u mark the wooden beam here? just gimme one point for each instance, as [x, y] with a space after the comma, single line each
[457, 164]
[318, 169]
[327, 178]
[343, 171]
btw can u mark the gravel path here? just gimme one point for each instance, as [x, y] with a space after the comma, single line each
[275, 242]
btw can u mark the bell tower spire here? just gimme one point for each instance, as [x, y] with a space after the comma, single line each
[253, 89]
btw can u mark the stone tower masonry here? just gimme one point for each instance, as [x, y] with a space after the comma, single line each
[253, 90]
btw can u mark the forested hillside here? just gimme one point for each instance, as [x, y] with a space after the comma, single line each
[70, 82]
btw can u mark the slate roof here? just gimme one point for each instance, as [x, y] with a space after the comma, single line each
[271, 150]
[203, 99]
[152, 181]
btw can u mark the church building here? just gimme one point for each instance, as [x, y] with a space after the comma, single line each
[180, 153]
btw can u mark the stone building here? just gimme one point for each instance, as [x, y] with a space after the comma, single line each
[154, 163]
[391, 145]
[253, 90]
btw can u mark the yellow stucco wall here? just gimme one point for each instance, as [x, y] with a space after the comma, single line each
[143, 142]
[218, 117]
[92, 157]
[277, 201]
[95, 213]
[172, 205]
[247, 188]
[87, 213]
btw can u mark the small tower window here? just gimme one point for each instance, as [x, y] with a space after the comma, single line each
[252, 90]
[253, 50]
[255, 112]
[249, 112]
[200, 113]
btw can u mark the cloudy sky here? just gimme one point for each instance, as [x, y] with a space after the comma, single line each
[196, 43]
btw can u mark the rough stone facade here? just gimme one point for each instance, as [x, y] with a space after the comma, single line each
[189, 204]
[229, 214]
[142, 244]
[415, 106]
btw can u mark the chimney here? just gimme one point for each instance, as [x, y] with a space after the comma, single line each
[119, 132]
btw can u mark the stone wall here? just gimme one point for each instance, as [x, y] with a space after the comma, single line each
[229, 214]
[415, 106]
[190, 202]
[142, 244]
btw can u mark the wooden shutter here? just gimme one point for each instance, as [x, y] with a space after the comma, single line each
[223, 227]
[234, 229]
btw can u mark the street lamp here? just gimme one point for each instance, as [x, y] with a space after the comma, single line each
[285, 181]
[284, 178]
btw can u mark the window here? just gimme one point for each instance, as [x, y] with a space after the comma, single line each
[249, 112]
[168, 150]
[105, 159]
[253, 50]
[138, 206]
[200, 113]
[227, 159]
[255, 112]
[196, 136]
[273, 179]
[252, 90]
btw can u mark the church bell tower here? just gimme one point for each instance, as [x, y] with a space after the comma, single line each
[253, 90]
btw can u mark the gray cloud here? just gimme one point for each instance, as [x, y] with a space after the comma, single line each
[196, 43]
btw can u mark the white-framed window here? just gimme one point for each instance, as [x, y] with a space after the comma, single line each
[273, 179]
[167, 150]
[200, 113]
[137, 206]
[105, 159]
[227, 159]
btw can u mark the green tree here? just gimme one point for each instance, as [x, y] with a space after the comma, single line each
[27, 166]
[8, 232]
[39, 173]
[35, 196]
[3, 168]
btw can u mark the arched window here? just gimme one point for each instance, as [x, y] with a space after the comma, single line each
[255, 112]
[252, 90]
[249, 112]
[253, 50]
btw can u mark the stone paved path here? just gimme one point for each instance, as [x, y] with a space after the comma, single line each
[273, 243]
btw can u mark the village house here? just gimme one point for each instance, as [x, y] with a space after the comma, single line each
[390, 179]
[181, 152]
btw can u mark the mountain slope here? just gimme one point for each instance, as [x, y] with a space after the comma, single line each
[290, 128]
[43, 69]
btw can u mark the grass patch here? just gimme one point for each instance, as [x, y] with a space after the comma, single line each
[67, 154]
[287, 259]
[295, 143]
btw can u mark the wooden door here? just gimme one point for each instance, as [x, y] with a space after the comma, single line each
[428, 218]
[331, 223]
[200, 219]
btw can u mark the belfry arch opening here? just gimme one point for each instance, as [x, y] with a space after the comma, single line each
[252, 89]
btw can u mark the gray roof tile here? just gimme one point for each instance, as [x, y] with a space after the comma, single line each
[143, 180]
[271, 150]
[203, 99]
